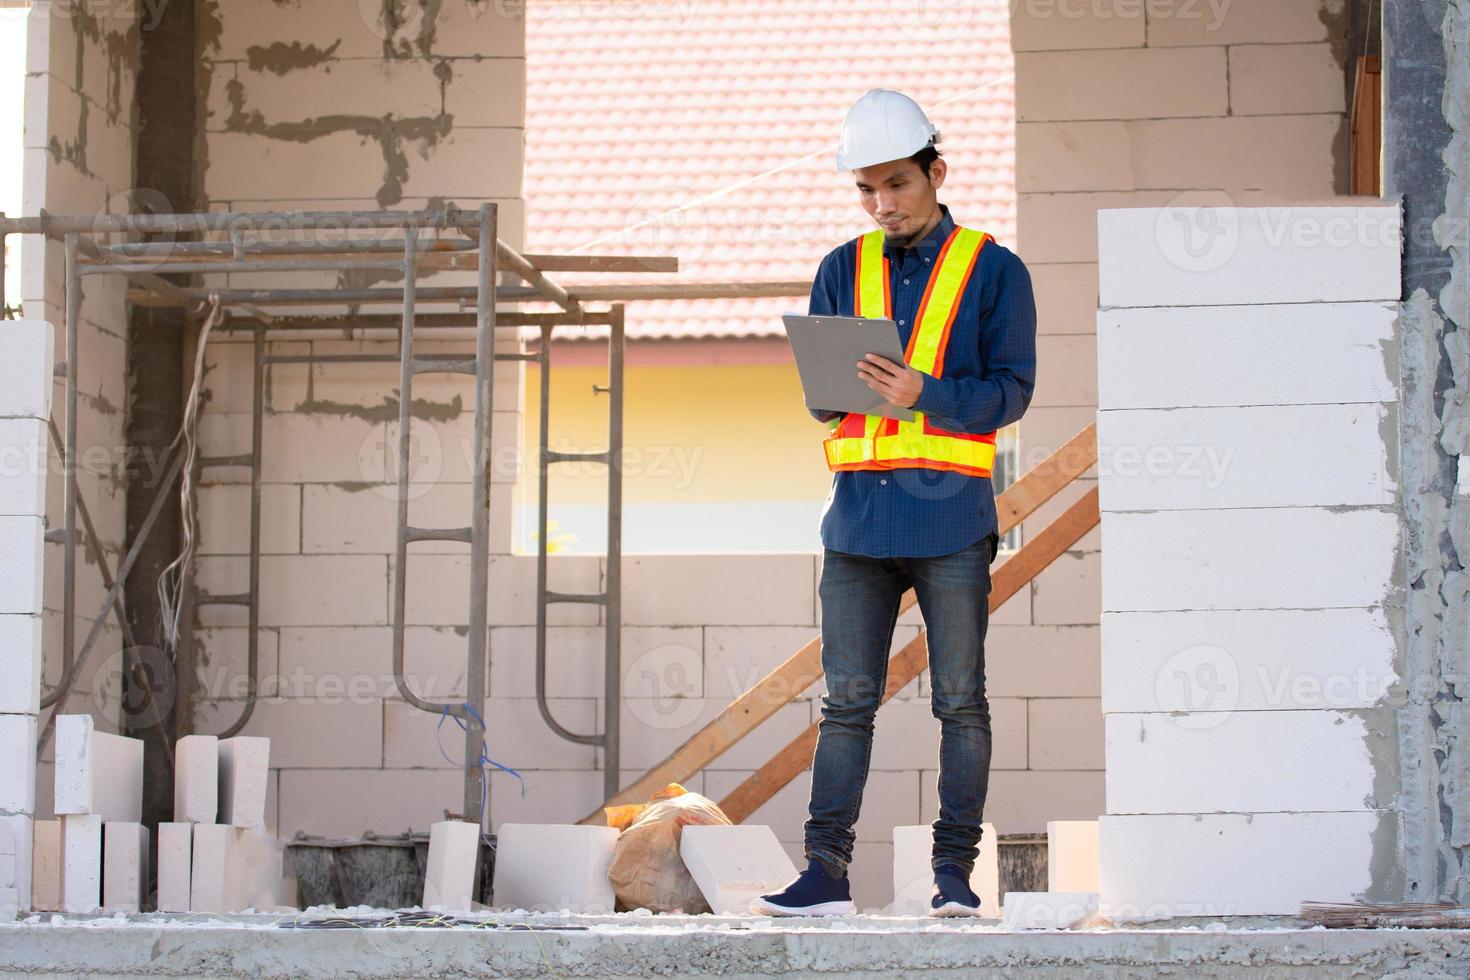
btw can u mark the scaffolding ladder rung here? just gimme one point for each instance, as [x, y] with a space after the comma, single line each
[243, 459]
[435, 365]
[437, 534]
[594, 598]
[237, 599]
[556, 457]
[528, 356]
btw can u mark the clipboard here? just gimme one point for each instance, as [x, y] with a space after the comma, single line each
[827, 349]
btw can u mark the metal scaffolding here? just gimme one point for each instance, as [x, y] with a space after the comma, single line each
[320, 241]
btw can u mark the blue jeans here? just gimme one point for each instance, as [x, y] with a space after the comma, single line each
[860, 598]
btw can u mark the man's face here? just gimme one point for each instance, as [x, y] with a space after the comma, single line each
[898, 196]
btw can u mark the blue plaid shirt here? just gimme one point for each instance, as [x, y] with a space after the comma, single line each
[989, 373]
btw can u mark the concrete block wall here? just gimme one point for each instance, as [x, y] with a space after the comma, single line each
[329, 106]
[1132, 105]
[81, 61]
[1250, 524]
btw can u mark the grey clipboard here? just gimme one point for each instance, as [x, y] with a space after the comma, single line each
[827, 350]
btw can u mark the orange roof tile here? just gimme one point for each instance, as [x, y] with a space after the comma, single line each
[707, 128]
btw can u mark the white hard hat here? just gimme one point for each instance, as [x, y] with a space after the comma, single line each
[882, 126]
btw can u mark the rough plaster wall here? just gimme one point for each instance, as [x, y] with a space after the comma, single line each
[1125, 107]
[1433, 631]
[80, 65]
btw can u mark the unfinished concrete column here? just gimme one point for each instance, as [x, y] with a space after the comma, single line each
[1426, 165]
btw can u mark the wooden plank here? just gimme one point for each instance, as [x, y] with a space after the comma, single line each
[1009, 578]
[803, 668]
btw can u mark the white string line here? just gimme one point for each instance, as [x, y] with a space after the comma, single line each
[747, 181]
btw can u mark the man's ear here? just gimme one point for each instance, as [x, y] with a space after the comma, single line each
[937, 170]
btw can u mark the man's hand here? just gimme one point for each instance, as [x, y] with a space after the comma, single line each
[898, 383]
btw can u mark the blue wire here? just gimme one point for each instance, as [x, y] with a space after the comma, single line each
[484, 758]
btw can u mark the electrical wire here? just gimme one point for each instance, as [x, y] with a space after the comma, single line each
[171, 580]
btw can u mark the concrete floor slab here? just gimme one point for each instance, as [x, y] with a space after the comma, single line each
[734, 947]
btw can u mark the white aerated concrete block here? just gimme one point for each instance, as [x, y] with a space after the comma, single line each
[20, 664]
[175, 865]
[1286, 354]
[1048, 910]
[46, 867]
[18, 763]
[1245, 659]
[1320, 760]
[1237, 863]
[196, 779]
[1071, 856]
[1207, 458]
[913, 870]
[20, 573]
[732, 865]
[209, 884]
[26, 370]
[454, 851]
[16, 842]
[1315, 558]
[554, 867]
[96, 772]
[23, 460]
[124, 866]
[81, 862]
[1206, 256]
[244, 770]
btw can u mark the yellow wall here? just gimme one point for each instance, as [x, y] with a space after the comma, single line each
[711, 442]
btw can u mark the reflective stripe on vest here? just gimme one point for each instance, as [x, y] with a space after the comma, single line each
[873, 442]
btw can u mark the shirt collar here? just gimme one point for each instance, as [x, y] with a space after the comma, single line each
[932, 241]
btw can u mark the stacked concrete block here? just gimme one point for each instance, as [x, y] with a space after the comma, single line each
[1048, 910]
[454, 859]
[124, 866]
[244, 769]
[913, 870]
[196, 779]
[551, 867]
[25, 404]
[210, 869]
[175, 866]
[1071, 856]
[16, 863]
[1249, 529]
[81, 862]
[46, 866]
[733, 865]
[96, 772]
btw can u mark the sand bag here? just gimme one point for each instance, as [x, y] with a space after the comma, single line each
[647, 871]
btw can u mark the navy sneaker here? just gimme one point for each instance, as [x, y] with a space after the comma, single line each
[814, 892]
[952, 894]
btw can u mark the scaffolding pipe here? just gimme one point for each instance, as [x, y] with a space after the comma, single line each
[204, 221]
[69, 488]
[252, 615]
[474, 731]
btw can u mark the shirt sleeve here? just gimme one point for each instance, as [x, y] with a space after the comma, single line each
[1007, 351]
[823, 302]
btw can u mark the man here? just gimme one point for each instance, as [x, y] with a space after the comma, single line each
[911, 502]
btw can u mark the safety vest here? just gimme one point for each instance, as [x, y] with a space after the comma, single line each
[873, 442]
